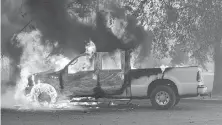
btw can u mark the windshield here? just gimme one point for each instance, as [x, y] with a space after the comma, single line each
[81, 63]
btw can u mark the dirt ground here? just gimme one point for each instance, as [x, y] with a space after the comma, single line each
[187, 112]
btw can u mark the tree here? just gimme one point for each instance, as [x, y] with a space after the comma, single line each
[209, 36]
[201, 23]
[195, 25]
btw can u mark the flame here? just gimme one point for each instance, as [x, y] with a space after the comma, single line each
[163, 67]
[111, 61]
[35, 58]
[60, 62]
[83, 63]
[90, 48]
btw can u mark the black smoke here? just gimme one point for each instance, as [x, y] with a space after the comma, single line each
[52, 19]
[55, 23]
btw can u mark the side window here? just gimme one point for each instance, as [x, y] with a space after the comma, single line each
[111, 61]
[83, 63]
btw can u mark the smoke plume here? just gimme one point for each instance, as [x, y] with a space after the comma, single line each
[13, 20]
[55, 23]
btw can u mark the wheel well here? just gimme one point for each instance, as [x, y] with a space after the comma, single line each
[158, 82]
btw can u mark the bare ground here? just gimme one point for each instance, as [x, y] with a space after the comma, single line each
[187, 112]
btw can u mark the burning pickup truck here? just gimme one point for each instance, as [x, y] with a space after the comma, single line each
[163, 86]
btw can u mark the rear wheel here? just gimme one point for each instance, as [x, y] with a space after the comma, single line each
[163, 97]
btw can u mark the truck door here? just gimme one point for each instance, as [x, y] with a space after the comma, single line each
[111, 75]
[79, 78]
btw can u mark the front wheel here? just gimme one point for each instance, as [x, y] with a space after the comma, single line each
[163, 97]
[42, 93]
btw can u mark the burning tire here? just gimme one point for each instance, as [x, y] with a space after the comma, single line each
[163, 97]
[43, 92]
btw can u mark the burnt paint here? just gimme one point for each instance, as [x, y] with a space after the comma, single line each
[137, 73]
[51, 78]
[111, 80]
[111, 77]
[61, 82]
[78, 81]
[168, 69]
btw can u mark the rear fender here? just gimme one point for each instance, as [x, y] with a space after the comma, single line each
[174, 81]
[167, 82]
[185, 78]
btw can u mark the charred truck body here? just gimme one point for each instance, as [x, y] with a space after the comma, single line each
[164, 87]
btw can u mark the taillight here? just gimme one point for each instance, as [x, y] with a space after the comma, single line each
[199, 77]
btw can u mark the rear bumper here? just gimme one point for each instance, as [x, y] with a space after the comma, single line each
[202, 90]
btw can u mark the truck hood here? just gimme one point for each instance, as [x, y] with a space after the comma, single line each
[50, 77]
[48, 72]
[46, 75]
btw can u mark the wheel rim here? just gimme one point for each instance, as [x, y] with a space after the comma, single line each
[42, 93]
[44, 97]
[162, 98]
